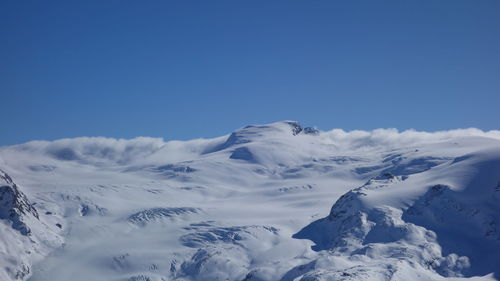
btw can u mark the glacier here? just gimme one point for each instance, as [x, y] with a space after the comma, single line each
[267, 202]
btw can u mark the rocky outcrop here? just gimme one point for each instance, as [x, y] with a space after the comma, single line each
[14, 205]
[298, 129]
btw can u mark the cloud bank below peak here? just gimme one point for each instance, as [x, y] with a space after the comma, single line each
[125, 151]
[394, 138]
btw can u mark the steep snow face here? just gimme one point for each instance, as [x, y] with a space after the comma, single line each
[247, 206]
[25, 238]
[14, 205]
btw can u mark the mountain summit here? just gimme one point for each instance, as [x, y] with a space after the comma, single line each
[262, 132]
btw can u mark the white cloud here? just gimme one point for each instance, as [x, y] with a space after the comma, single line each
[392, 137]
[144, 150]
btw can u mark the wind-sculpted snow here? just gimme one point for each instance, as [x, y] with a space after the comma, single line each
[401, 165]
[243, 153]
[404, 206]
[153, 215]
[223, 253]
[168, 171]
[207, 234]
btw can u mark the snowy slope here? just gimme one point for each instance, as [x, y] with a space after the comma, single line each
[254, 205]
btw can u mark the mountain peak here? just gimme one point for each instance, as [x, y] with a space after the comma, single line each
[252, 133]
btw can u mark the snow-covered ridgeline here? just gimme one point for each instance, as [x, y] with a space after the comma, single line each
[406, 206]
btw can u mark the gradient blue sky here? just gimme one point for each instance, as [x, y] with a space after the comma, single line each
[186, 69]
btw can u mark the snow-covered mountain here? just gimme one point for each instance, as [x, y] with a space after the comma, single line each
[267, 202]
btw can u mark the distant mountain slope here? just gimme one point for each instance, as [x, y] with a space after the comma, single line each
[248, 206]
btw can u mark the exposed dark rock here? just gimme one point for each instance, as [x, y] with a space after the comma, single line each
[22, 272]
[140, 278]
[311, 131]
[385, 176]
[175, 168]
[14, 205]
[296, 127]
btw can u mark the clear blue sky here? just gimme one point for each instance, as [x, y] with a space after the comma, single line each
[185, 69]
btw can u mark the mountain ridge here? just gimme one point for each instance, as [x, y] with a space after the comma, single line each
[248, 206]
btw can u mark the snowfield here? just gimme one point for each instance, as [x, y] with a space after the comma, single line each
[267, 202]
